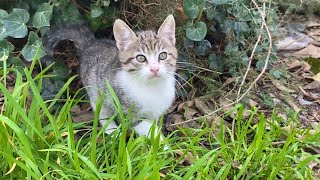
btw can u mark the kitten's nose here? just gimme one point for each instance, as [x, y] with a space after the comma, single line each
[154, 70]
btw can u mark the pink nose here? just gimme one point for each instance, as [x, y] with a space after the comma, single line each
[154, 70]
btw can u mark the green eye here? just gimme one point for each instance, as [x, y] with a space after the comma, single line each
[141, 58]
[163, 56]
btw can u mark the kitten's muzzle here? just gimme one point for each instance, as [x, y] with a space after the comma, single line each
[154, 70]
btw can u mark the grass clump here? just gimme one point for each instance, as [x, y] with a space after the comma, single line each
[38, 143]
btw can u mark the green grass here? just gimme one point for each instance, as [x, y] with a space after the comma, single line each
[38, 143]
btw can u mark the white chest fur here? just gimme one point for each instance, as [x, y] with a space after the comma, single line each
[153, 98]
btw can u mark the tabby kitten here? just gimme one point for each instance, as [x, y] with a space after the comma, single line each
[139, 66]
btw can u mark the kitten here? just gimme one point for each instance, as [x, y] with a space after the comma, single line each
[139, 66]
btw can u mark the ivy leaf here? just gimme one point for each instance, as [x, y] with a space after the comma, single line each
[239, 27]
[69, 13]
[106, 3]
[192, 8]
[3, 14]
[211, 12]
[95, 11]
[5, 48]
[276, 73]
[226, 26]
[215, 62]
[30, 49]
[3, 32]
[220, 2]
[197, 32]
[17, 63]
[60, 71]
[236, 10]
[43, 15]
[203, 47]
[15, 23]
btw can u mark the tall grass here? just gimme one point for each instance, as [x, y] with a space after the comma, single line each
[39, 143]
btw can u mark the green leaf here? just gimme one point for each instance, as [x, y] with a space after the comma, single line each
[198, 32]
[69, 13]
[105, 2]
[17, 64]
[220, 2]
[203, 47]
[192, 8]
[276, 73]
[60, 71]
[30, 49]
[43, 15]
[239, 27]
[3, 14]
[95, 11]
[15, 23]
[216, 63]
[5, 48]
[3, 31]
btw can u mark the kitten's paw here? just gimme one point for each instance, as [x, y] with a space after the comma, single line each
[109, 131]
[165, 148]
[112, 126]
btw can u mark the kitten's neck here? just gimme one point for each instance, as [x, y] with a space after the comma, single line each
[153, 97]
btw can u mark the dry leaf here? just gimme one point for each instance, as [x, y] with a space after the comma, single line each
[191, 112]
[182, 16]
[294, 41]
[304, 102]
[281, 87]
[293, 64]
[252, 103]
[309, 94]
[312, 23]
[309, 51]
[82, 116]
[202, 107]
[174, 118]
[181, 106]
[188, 157]
[316, 77]
[312, 85]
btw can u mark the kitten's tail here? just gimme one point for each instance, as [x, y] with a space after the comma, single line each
[79, 34]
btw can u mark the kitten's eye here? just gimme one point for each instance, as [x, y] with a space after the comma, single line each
[141, 58]
[163, 56]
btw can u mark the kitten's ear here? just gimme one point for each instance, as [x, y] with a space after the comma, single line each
[123, 34]
[167, 30]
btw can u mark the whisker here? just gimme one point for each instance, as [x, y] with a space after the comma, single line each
[186, 64]
[180, 87]
[186, 82]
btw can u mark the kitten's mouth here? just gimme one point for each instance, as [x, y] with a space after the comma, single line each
[154, 76]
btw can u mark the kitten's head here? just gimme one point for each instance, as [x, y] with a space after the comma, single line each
[147, 55]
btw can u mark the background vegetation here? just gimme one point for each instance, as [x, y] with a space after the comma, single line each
[219, 40]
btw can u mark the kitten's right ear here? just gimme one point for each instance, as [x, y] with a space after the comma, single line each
[123, 34]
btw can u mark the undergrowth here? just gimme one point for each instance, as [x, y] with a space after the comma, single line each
[38, 144]
[39, 140]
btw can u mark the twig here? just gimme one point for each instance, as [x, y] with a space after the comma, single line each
[264, 24]
[268, 54]
[250, 61]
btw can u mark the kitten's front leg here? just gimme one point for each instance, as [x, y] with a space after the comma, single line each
[144, 127]
[104, 114]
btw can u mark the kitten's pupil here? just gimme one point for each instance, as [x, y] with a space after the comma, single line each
[141, 58]
[163, 56]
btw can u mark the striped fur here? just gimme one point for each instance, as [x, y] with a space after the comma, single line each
[148, 85]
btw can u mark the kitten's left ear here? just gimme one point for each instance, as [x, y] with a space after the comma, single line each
[123, 35]
[167, 30]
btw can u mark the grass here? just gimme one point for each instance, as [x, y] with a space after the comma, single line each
[38, 143]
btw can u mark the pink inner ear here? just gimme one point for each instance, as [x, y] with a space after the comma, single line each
[167, 30]
[123, 35]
